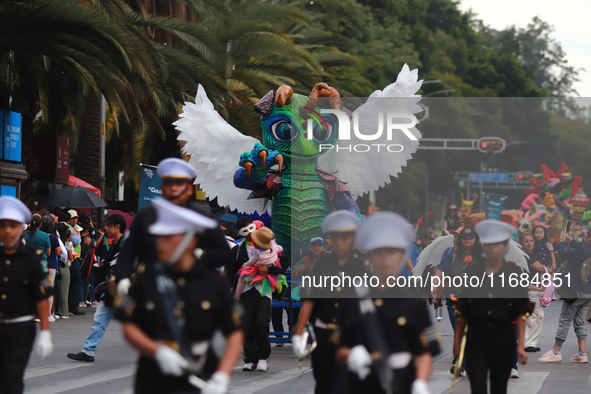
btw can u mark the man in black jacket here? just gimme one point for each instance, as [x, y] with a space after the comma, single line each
[114, 227]
[257, 306]
[138, 250]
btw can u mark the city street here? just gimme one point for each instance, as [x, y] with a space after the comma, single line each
[113, 370]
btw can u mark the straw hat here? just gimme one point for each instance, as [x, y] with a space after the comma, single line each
[263, 237]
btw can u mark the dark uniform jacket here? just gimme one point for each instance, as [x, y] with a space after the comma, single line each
[23, 282]
[140, 246]
[493, 304]
[406, 327]
[207, 306]
[329, 304]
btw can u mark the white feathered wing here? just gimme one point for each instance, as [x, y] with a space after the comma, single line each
[215, 147]
[517, 255]
[367, 171]
[433, 253]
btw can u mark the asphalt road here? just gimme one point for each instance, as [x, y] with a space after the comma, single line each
[114, 368]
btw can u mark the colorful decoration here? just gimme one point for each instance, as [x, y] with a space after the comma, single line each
[466, 208]
[555, 197]
[288, 174]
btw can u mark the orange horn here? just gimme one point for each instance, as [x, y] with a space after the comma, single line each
[321, 90]
[263, 156]
[283, 96]
[248, 168]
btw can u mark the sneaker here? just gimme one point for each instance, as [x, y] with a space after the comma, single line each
[81, 305]
[579, 359]
[87, 303]
[95, 304]
[263, 366]
[249, 367]
[550, 357]
[280, 344]
[532, 349]
[56, 317]
[37, 320]
[81, 357]
[452, 370]
[51, 319]
[514, 373]
[64, 317]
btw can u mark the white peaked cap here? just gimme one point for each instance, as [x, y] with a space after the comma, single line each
[173, 219]
[493, 231]
[176, 168]
[385, 230]
[13, 209]
[341, 221]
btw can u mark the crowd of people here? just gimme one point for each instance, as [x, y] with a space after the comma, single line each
[174, 264]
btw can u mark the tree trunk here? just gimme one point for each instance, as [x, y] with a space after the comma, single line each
[86, 160]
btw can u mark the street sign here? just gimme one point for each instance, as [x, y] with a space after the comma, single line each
[488, 177]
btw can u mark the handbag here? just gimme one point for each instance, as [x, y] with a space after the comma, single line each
[547, 295]
[58, 275]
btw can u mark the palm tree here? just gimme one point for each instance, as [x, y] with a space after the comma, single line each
[54, 57]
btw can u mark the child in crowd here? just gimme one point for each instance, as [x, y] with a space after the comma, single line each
[266, 253]
[543, 249]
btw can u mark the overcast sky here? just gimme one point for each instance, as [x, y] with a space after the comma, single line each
[571, 20]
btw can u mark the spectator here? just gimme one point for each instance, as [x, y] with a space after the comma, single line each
[36, 238]
[534, 322]
[63, 283]
[543, 249]
[574, 309]
[48, 226]
[451, 221]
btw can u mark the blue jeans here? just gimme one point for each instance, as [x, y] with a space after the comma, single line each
[102, 317]
[453, 320]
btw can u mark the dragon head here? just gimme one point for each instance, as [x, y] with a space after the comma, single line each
[285, 117]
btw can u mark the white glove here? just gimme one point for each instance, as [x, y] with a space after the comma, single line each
[218, 384]
[123, 286]
[420, 387]
[170, 361]
[43, 344]
[359, 361]
[296, 344]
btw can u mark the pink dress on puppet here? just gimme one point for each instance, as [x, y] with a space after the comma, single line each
[249, 273]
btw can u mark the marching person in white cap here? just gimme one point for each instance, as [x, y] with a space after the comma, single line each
[325, 308]
[138, 249]
[489, 309]
[24, 290]
[173, 310]
[401, 321]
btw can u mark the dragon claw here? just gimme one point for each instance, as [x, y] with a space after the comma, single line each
[279, 161]
[248, 167]
[263, 155]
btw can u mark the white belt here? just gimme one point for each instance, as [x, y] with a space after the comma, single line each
[18, 319]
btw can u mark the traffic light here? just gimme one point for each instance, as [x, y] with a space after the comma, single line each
[491, 145]
[524, 175]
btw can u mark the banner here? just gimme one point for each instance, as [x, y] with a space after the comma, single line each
[12, 136]
[493, 205]
[150, 184]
